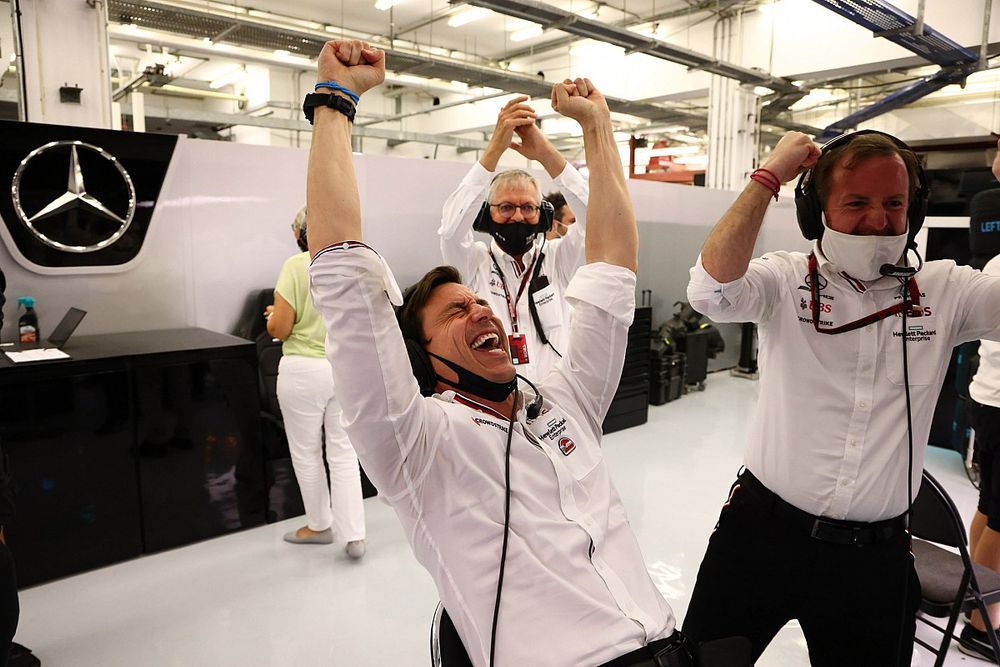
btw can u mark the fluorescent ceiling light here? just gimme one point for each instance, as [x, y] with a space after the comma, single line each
[282, 53]
[227, 7]
[468, 15]
[762, 91]
[383, 5]
[526, 33]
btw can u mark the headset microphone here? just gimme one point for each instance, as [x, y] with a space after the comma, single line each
[894, 271]
[535, 407]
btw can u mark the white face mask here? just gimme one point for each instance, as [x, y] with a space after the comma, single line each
[862, 256]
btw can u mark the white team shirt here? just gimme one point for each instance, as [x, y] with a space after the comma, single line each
[472, 258]
[829, 433]
[576, 590]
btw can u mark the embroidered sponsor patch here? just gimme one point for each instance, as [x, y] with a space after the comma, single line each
[566, 446]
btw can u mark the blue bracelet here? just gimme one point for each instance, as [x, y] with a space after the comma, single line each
[333, 85]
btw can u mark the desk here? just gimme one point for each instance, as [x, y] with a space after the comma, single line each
[139, 442]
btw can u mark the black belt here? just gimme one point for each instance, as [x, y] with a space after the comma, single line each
[823, 529]
[673, 651]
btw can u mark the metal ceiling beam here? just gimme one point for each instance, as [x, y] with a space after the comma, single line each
[218, 119]
[897, 99]
[549, 16]
[889, 22]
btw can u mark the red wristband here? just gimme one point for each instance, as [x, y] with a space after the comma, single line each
[766, 178]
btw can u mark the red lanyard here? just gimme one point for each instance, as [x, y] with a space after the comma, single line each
[913, 301]
[512, 307]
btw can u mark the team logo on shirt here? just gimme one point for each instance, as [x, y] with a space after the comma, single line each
[823, 282]
[566, 446]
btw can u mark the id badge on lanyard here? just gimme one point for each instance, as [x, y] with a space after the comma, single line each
[517, 342]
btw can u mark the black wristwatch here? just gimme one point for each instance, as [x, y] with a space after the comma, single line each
[341, 104]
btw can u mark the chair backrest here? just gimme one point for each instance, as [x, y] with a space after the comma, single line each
[447, 649]
[935, 517]
[251, 322]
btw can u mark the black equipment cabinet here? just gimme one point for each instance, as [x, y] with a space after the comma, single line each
[630, 405]
[139, 442]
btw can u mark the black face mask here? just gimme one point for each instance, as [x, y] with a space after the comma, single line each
[514, 238]
[477, 385]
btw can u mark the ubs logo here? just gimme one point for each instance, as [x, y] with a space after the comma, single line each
[77, 220]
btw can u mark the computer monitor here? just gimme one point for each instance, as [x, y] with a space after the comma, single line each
[70, 321]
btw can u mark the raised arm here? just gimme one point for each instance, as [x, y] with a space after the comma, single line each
[331, 186]
[612, 236]
[536, 146]
[728, 249]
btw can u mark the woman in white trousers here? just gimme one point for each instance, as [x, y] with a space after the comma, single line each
[309, 408]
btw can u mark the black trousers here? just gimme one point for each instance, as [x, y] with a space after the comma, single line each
[856, 604]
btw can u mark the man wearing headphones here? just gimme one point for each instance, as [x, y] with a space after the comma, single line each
[482, 480]
[524, 279]
[814, 528]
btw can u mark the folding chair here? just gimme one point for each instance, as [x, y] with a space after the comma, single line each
[447, 649]
[950, 583]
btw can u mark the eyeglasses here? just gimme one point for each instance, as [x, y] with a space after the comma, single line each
[507, 210]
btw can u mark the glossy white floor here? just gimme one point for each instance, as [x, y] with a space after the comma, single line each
[251, 599]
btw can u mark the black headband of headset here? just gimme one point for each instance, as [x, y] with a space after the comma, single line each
[809, 208]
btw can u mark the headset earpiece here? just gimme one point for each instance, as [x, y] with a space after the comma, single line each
[809, 209]
[546, 213]
[483, 220]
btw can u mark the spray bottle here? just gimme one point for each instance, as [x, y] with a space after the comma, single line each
[27, 324]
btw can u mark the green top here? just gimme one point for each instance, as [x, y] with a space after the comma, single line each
[308, 335]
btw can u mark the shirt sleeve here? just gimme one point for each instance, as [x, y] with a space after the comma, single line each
[390, 424]
[603, 299]
[746, 299]
[979, 304]
[569, 252]
[287, 286]
[458, 246]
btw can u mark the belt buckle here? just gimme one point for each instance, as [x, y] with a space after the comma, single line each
[854, 537]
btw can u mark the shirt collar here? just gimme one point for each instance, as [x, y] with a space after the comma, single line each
[503, 257]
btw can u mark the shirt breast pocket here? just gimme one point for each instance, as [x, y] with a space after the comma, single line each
[923, 351]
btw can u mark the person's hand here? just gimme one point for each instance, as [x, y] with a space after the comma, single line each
[534, 145]
[515, 114]
[996, 162]
[580, 100]
[352, 63]
[794, 153]
[268, 312]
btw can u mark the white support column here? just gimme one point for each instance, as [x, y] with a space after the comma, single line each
[64, 44]
[733, 119]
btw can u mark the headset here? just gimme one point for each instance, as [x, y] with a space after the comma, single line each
[809, 208]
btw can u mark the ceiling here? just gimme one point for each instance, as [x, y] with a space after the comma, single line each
[421, 43]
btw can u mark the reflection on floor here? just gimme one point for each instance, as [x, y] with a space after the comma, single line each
[252, 599]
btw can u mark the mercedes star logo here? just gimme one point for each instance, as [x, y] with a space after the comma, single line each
[76, 204]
